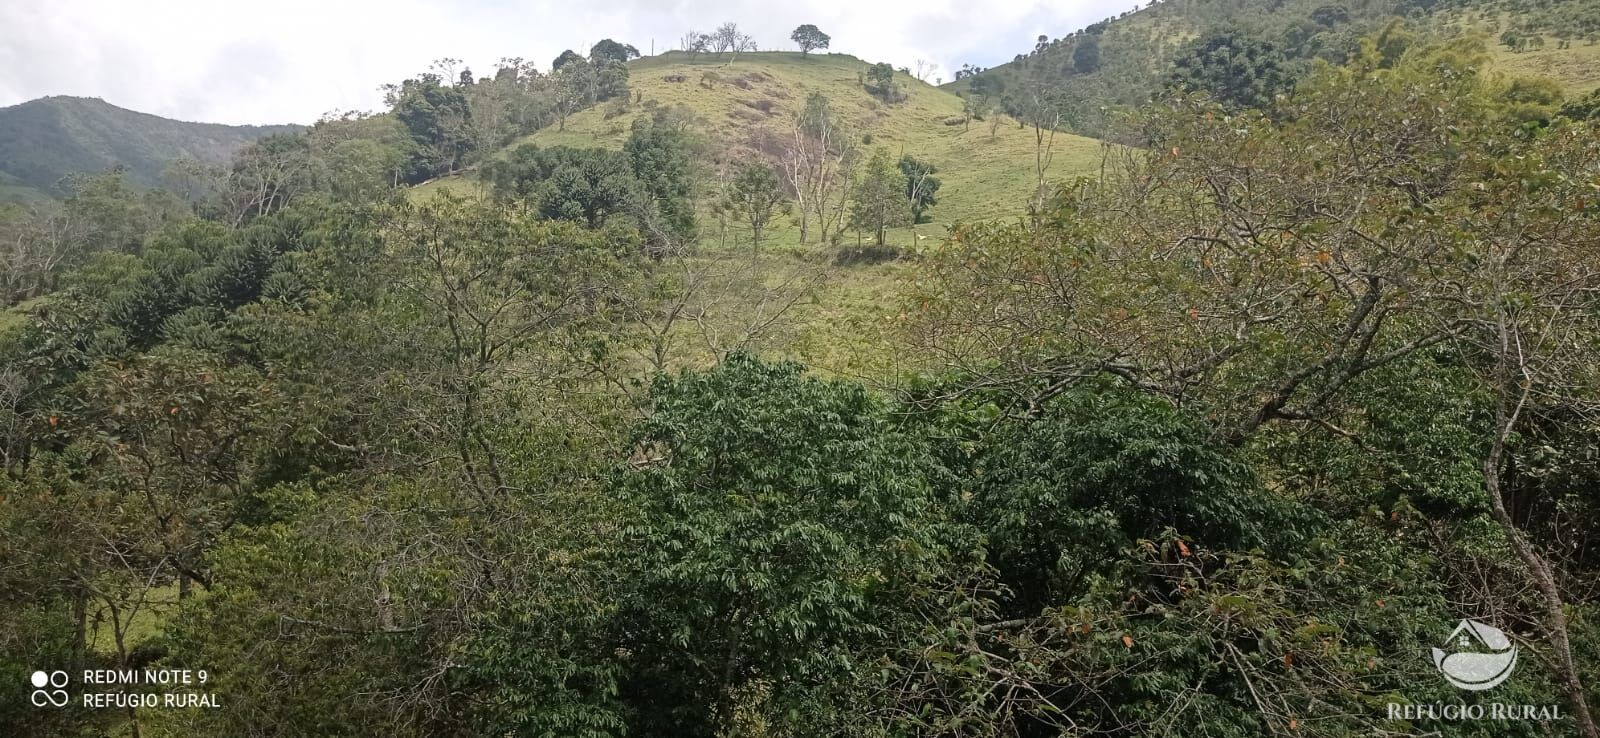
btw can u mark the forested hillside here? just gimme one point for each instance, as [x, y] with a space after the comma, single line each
[727, 393]
[45, 140]
[1245, 51]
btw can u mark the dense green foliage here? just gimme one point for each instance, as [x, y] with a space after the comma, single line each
[1238, 71]
[649, 183]
[583, 185]
[780, 525]
[1220, 443]
[437, 117]
[1375, 328]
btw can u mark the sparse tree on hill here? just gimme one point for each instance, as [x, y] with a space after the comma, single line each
[608, 50]
[566, 90]
[1038, 105]
[983, 96]
[445, 67]
[578, 83]
[987, 87]
[921, 186]
[881, 74]
[879, 197]
[729, 39]
[695, 42]
[879, 81]
[817, 165]
[809, 38]
[508, 69]
[494, 106]
[754, 198]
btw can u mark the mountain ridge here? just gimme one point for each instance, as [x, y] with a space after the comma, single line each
[42, 141]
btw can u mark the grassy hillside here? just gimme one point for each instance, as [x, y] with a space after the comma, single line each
[841, 324]
[755, 96]
[44, 140]
[1577, 68]
[1136, 49]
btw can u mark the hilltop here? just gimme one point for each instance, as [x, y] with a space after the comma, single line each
[44, 140]
[746, 103]
[1121, 60]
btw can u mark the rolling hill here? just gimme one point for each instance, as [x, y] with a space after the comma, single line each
[1121, 60]
[842, 323]
[42, 141]
[753, 98]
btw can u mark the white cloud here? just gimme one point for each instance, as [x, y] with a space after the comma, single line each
[293, 60]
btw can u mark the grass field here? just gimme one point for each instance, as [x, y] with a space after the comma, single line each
[840, 325]
[1577, 68]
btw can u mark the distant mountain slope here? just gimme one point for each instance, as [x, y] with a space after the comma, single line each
[1133, 53]
[746, 107]
[44, 140]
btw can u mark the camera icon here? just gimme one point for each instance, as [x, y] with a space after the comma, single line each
[48, 689]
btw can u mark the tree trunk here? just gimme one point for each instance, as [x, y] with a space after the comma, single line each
[1513, 374]
[1555, 616]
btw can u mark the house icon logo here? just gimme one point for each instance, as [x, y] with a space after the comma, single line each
[1480, 656]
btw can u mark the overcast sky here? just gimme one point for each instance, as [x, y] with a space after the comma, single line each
[295, 60]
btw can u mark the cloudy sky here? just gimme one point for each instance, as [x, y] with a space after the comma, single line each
[295, 60]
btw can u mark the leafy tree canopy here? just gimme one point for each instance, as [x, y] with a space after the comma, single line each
[1237, 70]
[608, 50]
[809, 38]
